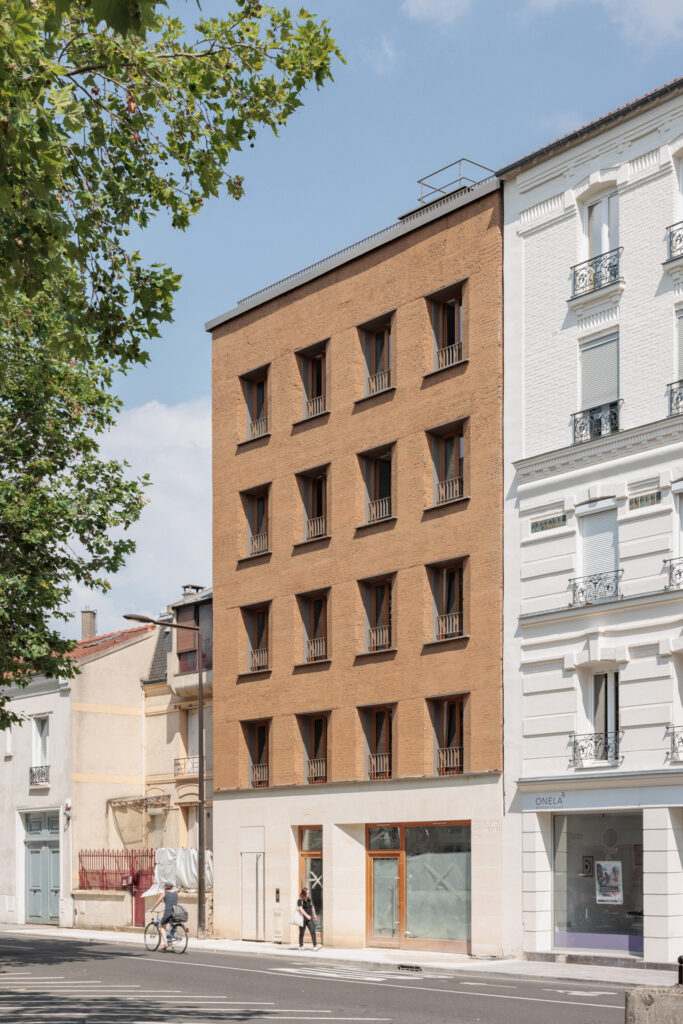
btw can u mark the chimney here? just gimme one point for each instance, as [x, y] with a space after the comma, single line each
[88, 626]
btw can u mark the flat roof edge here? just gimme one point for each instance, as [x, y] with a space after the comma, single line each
[412, 221]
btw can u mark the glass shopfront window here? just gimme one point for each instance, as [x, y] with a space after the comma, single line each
[598, 881]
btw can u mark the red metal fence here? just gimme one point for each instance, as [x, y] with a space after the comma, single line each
[106, 869]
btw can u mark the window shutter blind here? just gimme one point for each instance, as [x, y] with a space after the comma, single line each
[679, 332]
[599, 542]
[186, 640]
[192, 733]
[600, 373]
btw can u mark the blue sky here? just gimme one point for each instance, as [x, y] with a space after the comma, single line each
[426, 82]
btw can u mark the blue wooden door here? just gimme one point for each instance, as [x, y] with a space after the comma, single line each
[42, 869]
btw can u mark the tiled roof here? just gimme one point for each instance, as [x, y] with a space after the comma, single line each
[106, 642]
[595, 126]
[157, 671]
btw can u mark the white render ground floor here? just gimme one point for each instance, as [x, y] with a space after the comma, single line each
[603, 864]
[401, 863]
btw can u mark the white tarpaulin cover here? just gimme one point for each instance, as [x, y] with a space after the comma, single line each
[181, 869]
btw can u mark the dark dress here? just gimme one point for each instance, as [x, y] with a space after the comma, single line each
[307, 907]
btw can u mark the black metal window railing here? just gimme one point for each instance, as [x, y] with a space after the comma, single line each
[674, 568]
[599, 586]
[676, 397]
[676, 743]
[595, 746]
[600, 420]
[597, 272]
[674, 235]
[39, 775]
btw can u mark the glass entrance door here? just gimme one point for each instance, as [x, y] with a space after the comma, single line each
[384, 918]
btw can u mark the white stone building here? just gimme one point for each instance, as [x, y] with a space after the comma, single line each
[594, 525]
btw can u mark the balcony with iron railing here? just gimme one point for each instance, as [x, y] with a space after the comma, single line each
[317, 769]
[258, 659]
[259, 775]
[596, 273]
[448, 490]
[674, 235]
[379, 766]
[599, 586]
[448, 625]
[595, 746]
[675, 397]
[447, 356]
[316, 649]
[39, 775]
[315, 528]
[316, 406]
[379, 509]
[376, 382]
[450, 760]
[598, 421]
[676, 742]
[257, 428]
[258, 544]
[674, 568]
[379, 638]
[187, 765]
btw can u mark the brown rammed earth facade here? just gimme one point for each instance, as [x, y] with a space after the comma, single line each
[390, 283]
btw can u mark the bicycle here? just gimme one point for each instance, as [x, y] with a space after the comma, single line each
[176, 936]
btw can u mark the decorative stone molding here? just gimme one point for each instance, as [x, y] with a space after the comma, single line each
[546, 208]
[596, 309]
[674, 269]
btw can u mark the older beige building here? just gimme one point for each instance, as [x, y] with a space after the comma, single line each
[357, 410]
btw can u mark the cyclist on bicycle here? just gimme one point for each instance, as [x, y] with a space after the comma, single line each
[170, 900]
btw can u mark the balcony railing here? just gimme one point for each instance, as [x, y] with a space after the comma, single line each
[597, 272]
[316, 649]
[598, 421]
[676, 396]
[257, 428]
[448, 490]
[674, 568]
[595, 746]
[315, 528]
[676, 743]
[317, 769]
[258, 659]
[600, 586]
[258, 543]
[314, 406]
[259, 775]
[379, 509]
[379, 766]
[450, 760]
[675, 240]
[449, 355]
[39, 775]
[187, 765]
[377, 382]
[379, 638]
[448, 625]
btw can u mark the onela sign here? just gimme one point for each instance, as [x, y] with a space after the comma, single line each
[550, 800]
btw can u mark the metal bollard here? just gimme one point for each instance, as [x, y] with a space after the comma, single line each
[680, 971]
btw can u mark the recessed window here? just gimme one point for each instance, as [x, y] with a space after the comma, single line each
[40, 748]
[448, 603]
[313, 490]
[602, 225]
[381, 749]
[447, 328]
[316, 726]
[449, 715]
[256, 508]
[258, 742]
[255, 388]
[256, 623]
[314, 621]
[600, 414]
[377, 476]
[448, 460]
[377, 356]
[645, 500]
[313, 368]
[377, 603]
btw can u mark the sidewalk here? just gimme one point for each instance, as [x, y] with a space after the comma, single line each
[389, 959]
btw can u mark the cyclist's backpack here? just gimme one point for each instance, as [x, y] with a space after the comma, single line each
[179, 913]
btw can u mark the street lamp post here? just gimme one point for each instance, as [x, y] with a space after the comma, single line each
[201, 838]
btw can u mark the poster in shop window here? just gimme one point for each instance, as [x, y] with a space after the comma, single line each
[608, 882]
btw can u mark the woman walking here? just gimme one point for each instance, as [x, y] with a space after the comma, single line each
[305, 905]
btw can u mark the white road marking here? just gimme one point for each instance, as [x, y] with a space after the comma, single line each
[490, 984]
[578, 992]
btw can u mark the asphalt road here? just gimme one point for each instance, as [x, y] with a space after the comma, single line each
[44, 979]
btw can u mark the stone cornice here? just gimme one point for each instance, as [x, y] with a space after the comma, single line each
[602, 449]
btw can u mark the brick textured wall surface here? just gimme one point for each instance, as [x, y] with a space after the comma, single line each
[465, 244]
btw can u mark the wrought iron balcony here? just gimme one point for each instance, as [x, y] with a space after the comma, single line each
[258, 544]
[448, 625]
[596, 422]
[39, 775]
[314, 406]
[187, 765]
[257, 428]
[316, 649]
[675, 570]
[595, 746]
[600, 586]
[377, 382]
[258, 659]
[676, 742]
[676, 396]
[450, 760]
[448, 490]
[379, 638]
[380, 509]
[259, 775]
[315, 528]
[597, 272]
[675, 240]
[449, 355]
[379, 766]
[317, 769]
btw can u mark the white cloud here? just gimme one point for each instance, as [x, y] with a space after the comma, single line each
[648, 23]
[444, 12]
[173, 536]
